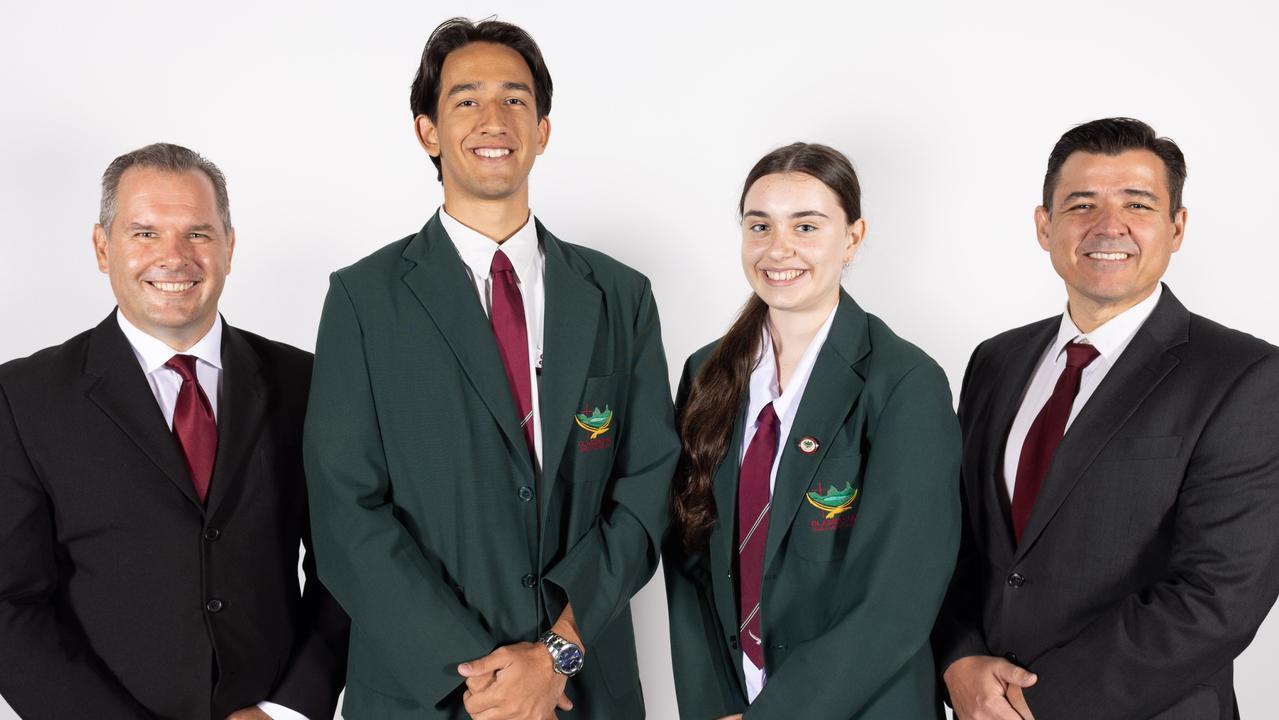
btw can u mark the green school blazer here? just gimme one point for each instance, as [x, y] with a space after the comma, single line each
[852, 585]
[425, 505]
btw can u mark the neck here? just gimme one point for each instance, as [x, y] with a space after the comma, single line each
[178, 339]
[1089, 314]
[497, 220]
[792, 331]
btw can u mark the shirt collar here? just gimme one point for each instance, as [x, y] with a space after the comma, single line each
[763, 382]
[476, 248]
[1111, 338]
[152, 353]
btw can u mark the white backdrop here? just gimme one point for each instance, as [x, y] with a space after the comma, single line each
[948, 111]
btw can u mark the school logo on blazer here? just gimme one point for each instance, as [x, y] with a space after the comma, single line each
[596, 423]
[832, 502]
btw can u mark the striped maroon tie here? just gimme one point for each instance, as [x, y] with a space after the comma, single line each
[753, 501]
[193, 424]
[507, 316]
[1045, 434]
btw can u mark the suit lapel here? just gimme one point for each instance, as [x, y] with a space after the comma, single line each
[570, 324]
[1143, 365]
[241, 411]
[833, 388]
[439, 281]
[117, 385]
[723, 540]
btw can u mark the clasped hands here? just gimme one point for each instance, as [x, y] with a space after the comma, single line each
[988, 688]
[518, 682]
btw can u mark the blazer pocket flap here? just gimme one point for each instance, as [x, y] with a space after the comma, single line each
[1141, 448]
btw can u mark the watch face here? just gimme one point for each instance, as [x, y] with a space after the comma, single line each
[569, 660]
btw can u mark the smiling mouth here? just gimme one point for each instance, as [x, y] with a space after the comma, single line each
[1108, 255]
[783, 276]
[172, 287]
[492, 153]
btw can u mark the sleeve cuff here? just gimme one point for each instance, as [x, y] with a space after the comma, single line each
[279, 712]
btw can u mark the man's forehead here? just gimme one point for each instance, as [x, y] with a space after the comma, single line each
[1131, 169]
[480, 62]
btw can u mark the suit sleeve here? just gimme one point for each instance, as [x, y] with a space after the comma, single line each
[47, 668]
[1141, 655]
[705, 680]
[958, 632]
[393, 589]
[614, 559]
[905, 542]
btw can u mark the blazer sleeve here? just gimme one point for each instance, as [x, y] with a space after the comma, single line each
[1142, 654]
[393, 589]
[619, 553]
[958, 632]
[905, 542]
[705, 680]
[47, 668]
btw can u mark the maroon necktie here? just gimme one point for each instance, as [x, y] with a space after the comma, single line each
[1045, 434]
[753, 501]
[194, 425]
[507, 316]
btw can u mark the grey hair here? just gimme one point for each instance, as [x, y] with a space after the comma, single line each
[166, 157]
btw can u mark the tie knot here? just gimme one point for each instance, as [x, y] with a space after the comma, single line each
[768, 416]
[501, 263]
[1080, 355]
[183, 365]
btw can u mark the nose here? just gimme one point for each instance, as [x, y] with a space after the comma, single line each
[779, 246]
[491, 120]
[173, 251]
[1111, 223]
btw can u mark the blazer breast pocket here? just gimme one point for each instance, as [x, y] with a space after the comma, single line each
[1140, 448]
[827, 513]
[595, 429]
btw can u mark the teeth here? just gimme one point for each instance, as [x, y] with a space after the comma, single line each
[492, 152]
[1108, 256]
[783, 275]
[174, 286]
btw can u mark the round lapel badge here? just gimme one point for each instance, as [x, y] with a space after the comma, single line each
[809, 445]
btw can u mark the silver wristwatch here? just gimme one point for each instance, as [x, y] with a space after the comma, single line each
[566, 658]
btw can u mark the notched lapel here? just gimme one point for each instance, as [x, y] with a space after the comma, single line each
[571, 323]
[723, 540]
[117, 385]
[439, 281]
[241, 413]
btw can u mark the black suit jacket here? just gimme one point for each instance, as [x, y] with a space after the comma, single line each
[1152, 552]
[120, 595]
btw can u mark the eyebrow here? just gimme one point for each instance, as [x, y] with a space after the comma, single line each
[474, 87]
[203, 227]
[793, 216]
[1089, 194]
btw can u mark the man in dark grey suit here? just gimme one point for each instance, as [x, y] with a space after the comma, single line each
[1120, 472]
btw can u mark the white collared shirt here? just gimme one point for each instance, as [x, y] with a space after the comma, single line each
[1110, 339]
[152, 354]
[763, 390]
[529, 260]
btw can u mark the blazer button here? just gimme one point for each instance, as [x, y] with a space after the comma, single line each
[526, 493]
[1011, 657]
[213, 606]
[212, 534]
[1016, 580]
[530, 580]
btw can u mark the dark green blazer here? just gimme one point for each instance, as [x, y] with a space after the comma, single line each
[426, 508]
[848, 601]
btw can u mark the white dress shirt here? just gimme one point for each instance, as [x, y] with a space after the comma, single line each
[1110, 339]
[529, 260]
[763, 390]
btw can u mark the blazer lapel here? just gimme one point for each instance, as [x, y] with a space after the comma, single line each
[439, 281]
[117, 385]
[1143, 365]
[831, 392]
[570, 324]
[723, 540]
[241, 411]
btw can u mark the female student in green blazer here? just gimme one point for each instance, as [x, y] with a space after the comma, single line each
[816, 508]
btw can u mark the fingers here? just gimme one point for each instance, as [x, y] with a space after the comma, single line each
[564, 703]
[1013, 675]
[486, 665]
[480, 683]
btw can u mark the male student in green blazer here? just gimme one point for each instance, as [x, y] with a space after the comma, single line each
[490, 438]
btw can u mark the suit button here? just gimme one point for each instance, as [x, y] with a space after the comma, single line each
[213, 606]
[526, 493]
[212, 534]
[530, 580]
[1016, 580]
[1011, 657]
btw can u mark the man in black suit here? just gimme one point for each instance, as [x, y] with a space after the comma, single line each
[152, 498]
[1120, 471]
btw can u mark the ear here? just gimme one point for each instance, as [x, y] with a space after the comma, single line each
[856, 233]
[230, 249]
[427, 135]
[1179, 228]
[543, 133]
[1043, 221]
[100, 246]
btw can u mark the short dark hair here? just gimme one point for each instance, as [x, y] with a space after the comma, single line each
[1112, 136]
[818, 161]
[169, 158]
[458, 32]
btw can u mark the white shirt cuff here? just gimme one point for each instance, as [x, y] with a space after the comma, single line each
[279, 712]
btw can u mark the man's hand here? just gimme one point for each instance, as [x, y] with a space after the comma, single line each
[524, 685]
[249, 713]
[738, 716]
[984, 687]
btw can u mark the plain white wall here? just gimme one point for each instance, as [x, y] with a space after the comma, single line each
[948, 111]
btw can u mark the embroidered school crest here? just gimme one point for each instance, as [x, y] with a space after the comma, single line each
[833, 501]
[597, 423]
